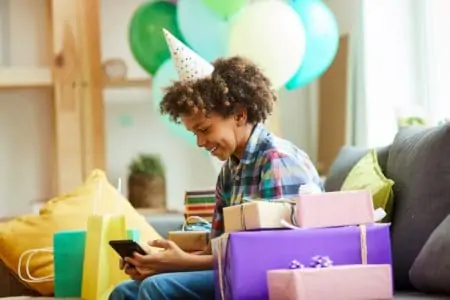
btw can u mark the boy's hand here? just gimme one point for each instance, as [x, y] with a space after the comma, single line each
[122, 264]
[138, 274]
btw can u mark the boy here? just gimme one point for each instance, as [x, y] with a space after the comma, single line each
[224, 105]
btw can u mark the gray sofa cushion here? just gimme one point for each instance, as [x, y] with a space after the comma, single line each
[419, 164]
[418, 296]
[344, 162]
[166, 222]
[430, 272]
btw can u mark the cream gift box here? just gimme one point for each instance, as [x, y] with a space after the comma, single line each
[347, 282]
[258, 215]
[190, 241]
[335, 209]
[193, 235]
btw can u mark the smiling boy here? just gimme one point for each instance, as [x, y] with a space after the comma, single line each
[225, 106]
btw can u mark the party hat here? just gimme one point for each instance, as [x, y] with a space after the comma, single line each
[190, 65]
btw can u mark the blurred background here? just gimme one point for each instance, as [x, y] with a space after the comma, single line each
[392, 62]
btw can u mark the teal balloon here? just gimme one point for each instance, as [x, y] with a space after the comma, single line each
[322, 41]
[145, 36]
[205, 31]
[163, 78]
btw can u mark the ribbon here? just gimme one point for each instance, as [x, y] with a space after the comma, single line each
[320, 261]
[218, 249]
[292, 203]
[317, 262]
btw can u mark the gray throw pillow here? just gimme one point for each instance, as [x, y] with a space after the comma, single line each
[430, 272]
[419, 164]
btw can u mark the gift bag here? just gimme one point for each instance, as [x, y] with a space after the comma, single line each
[101, 271]
[68, 252]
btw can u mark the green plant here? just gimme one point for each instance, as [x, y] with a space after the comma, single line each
[147, 164]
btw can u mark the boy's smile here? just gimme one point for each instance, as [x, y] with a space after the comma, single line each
[220, 136]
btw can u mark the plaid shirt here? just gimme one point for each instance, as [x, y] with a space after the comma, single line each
[271, 168]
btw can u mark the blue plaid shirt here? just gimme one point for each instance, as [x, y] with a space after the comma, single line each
[271, 168]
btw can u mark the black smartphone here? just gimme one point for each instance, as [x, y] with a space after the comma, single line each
[126, 248]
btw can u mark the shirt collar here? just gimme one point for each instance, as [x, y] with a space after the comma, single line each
[252, 143]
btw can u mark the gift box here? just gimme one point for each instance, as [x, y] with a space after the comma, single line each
[193, 235]
[257, 215]
[190, 241]
[335, 209]
[322, 281]
[243, 258]
[200, 203]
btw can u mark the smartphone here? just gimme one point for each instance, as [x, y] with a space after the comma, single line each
[126, 248]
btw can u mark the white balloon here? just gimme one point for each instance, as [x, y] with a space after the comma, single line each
[270, 33]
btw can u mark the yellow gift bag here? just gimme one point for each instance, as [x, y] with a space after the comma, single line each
[101, 271]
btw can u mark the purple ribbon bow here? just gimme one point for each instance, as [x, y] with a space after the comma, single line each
[317, 261]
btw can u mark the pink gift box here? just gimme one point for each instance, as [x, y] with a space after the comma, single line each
[351, 282]
[335, 209]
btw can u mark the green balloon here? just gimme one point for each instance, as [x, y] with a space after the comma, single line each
[225, 8]
[146, 38]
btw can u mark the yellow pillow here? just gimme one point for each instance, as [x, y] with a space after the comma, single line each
[367, 174]
[65, 212]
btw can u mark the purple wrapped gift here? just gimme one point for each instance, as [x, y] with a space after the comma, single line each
[242, 259]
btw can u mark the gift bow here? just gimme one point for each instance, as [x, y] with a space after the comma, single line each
[316, 262]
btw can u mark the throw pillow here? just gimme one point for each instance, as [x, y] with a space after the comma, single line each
[419, 165]
[430, 272]
[346, 159]
[65, 212]
[367, 175]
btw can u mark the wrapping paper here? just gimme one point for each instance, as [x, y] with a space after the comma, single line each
[351, 282]
[335, 209]
[190, 241]
[242, 259]
[257, 215]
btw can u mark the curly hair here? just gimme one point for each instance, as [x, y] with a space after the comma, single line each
[236, 83]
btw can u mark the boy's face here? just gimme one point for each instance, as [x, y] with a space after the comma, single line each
[214, 133]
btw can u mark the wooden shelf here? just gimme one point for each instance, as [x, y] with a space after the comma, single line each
[23, 78]
[128, 83]
[17, 78]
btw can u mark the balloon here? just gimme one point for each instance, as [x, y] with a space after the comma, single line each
[205, 32]
[225, 8]
[272, 35]
[145, 33]
[322, 36]
[164, 77]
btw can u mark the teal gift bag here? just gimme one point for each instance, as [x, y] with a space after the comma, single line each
[68, 252]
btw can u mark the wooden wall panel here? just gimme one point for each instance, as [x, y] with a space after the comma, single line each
[78, 102]
[333, 107]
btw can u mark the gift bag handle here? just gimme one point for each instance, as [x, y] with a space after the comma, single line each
[98, 200]
[29, 254]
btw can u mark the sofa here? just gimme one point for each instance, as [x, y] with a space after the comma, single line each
[417, 161]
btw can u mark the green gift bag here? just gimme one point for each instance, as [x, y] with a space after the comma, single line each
[68, 252]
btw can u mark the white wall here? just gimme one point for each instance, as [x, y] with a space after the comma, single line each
[25, 116]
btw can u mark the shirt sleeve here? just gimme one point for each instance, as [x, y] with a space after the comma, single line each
[217, 220]
[281, 176]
